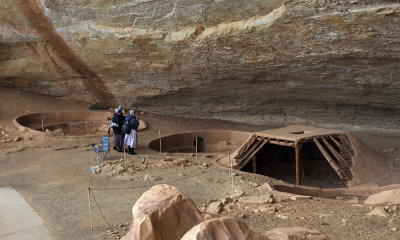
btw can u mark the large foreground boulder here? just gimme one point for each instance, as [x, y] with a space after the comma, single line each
[295, 233]
[163, 213]
[222, 228]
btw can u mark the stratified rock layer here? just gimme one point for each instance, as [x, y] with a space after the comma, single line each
[163, 213]
[310, 61]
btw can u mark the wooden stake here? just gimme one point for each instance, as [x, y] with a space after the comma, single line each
[196, 149]
[90, 210]
[97, 155]
[124, 157]
[254, 161]
[229, 158]
[303, 173]
[159, 135]
[43, 128]
[297, 148]
[232, 175]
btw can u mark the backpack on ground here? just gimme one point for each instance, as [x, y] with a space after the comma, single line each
[126, 128]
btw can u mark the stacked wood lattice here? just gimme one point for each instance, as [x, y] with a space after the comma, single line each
[336, 149]
[253, 145]
[339, 153]
[249, 149]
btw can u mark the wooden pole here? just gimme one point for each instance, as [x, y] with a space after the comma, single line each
[124, 158]
[302, 163]
[90, 210]
[254, 161]
[196, 149]
[43, 128]
[232, 175]
[97, 155]
[297, 148]
[229, 158]
[159, 135]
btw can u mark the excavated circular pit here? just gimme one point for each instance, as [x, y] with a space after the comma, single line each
[207, 141]
[68, 124]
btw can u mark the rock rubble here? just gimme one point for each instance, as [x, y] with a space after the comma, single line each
[163, 212]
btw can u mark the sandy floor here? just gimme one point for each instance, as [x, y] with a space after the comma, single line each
[53, 175]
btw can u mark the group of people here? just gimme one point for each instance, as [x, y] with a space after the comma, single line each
[125, 130]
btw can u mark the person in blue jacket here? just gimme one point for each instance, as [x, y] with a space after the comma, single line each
[131, 138]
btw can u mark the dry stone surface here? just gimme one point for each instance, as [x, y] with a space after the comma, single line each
[215, 208]
[222, 228]
[257, 199]
[391, 196]
[265, 188]
[295, 233]
[227, 200]
[265, 209]
[237, 195]
[163, 213]
[378, 211]
[299, 197]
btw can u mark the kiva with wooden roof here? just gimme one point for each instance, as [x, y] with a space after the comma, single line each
[337, 147]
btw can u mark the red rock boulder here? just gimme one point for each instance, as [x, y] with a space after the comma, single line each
[163, 213]
[222, 228]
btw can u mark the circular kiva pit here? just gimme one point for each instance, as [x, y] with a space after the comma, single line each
[207, 142]
[68, 124]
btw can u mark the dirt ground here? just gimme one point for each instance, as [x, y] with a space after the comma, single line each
[53, 175]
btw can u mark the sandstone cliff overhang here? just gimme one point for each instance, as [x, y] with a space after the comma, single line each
[250, 61]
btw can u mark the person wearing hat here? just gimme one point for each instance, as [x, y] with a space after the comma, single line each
[117, 122]
[131, 138]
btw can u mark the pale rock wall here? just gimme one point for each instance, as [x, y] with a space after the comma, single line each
[319, 62]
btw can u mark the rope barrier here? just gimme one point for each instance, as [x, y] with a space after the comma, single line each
[143, 186]
[101, 211]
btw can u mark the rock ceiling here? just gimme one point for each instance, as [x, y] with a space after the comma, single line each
[319, 62]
